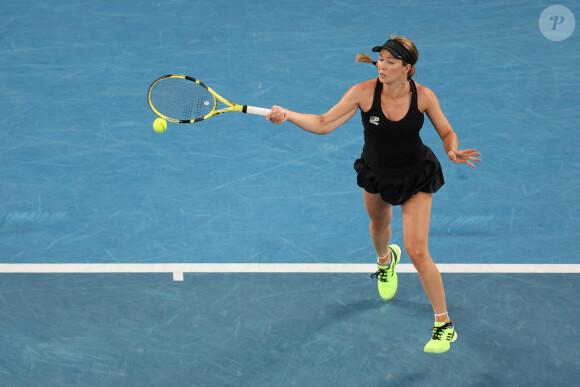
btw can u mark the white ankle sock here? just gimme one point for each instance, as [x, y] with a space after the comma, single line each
[443, 314]
[388, 262]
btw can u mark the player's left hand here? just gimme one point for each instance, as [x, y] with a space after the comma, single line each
[464, 156]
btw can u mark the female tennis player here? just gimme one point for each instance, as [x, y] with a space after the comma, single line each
[396, 168]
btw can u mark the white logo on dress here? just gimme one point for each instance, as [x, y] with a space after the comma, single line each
[374, 120]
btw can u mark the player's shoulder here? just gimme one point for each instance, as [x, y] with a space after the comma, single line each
[424, 91]
[365, 87]
[426, 98]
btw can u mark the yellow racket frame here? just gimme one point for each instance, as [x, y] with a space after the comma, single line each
[231, 106]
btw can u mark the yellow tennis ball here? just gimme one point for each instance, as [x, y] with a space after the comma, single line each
[159, 125]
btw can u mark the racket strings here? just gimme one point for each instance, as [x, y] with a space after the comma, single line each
[181, 99]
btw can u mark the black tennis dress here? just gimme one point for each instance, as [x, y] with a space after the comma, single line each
[395, 163]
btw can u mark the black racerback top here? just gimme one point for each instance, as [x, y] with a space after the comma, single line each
[392, 147]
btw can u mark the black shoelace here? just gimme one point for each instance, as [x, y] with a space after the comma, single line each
[438, 331]
[381, 275]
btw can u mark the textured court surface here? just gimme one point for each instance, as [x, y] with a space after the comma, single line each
[84, 179]
[284, 330]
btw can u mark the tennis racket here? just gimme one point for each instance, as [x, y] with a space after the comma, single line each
[183, 99]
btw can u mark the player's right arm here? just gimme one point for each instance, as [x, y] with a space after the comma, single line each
[329, 121]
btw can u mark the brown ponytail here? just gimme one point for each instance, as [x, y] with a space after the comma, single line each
[364, 58]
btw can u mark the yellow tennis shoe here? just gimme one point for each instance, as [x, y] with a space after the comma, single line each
[387, 276]
[443, 335]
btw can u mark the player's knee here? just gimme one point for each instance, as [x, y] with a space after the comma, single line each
[419, 255]
[379, 225]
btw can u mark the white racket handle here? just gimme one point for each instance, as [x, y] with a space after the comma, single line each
[256, 110]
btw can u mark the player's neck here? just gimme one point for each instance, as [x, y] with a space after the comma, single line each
[397, 88]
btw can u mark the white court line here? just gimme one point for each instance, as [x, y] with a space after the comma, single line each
[178, 269]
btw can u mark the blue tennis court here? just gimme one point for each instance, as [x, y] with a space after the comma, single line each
[86, 181]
